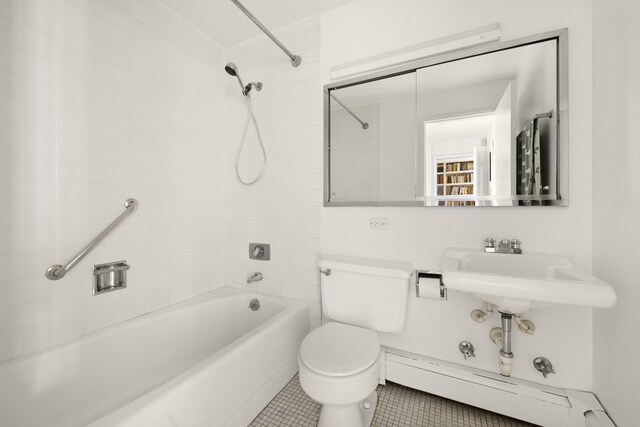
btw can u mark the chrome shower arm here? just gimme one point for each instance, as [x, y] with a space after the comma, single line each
[295, 59]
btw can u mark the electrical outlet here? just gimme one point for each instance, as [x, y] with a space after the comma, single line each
[384, 223]
[378, 223]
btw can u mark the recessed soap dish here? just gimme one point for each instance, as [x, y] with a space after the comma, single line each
[109, 277]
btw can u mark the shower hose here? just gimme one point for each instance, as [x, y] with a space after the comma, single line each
[250, 115]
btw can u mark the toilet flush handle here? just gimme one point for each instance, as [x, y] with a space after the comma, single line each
[325, 271]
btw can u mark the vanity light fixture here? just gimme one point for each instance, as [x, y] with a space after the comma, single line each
[405, 55]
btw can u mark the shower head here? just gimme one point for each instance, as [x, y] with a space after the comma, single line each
[232, 70]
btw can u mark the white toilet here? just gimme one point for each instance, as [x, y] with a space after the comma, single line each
[340, 361]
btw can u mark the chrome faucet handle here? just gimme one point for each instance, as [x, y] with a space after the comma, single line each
[489, 242]
[258, 251]
[467, 350]
[543, 365]
[515, 244]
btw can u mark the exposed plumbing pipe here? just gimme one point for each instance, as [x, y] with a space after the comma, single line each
[505, 352]
[525, 326]
[502, 338]
[481, 315]
[496, 336]
[505, 365]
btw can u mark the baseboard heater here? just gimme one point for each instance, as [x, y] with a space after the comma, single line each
[524, 400]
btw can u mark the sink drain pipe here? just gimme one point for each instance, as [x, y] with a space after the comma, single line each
[505, 352]
[502, 338]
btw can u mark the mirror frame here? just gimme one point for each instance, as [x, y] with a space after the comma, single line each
[561, 116]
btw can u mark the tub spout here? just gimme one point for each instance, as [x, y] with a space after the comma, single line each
[255, 277]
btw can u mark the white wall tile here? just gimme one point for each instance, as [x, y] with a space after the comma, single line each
[283, 208]
[122, 98]
[85, 122]
[10, 33]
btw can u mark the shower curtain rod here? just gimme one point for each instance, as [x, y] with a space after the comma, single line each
[365, 125]
[295, 59]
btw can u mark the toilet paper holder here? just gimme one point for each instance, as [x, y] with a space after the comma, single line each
[429, 274]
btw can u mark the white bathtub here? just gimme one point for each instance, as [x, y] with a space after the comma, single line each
[209, 361]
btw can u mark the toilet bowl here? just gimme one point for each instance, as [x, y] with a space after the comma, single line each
[339, 368]
[339, 362]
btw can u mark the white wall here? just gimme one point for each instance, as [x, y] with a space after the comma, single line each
[101, 101]
[459, 101]
[536, 83]
[503, 158]
[616, 203]
[397, 145]
[283, 208]
[420, 235]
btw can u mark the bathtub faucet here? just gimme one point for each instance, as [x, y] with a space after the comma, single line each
[255, 277]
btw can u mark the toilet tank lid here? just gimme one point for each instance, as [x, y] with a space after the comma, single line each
[374, 267]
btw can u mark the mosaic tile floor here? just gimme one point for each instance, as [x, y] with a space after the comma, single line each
[398, 406]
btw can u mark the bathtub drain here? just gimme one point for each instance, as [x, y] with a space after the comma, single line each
[254, 304]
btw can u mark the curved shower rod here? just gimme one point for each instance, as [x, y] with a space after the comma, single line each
[295, 59]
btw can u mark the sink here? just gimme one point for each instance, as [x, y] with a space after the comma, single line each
[517, 283]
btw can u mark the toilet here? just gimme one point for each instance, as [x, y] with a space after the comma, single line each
[339, 362]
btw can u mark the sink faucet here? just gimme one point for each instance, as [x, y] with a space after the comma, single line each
[255, 277]
[503, 246]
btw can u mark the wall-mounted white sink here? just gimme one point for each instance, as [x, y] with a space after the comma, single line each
[517, 283]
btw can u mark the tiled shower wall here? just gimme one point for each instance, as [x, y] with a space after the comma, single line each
[283, 208]
[100, 101]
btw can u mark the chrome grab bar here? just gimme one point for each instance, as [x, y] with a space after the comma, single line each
[57, 271]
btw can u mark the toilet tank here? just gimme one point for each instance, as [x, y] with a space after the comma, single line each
[370, 293]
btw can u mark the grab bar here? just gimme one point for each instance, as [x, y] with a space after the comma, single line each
[56, 272]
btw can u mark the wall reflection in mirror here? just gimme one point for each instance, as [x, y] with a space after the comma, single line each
[375, 162]
[480, 129]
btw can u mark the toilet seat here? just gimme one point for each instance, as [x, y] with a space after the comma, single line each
[339, 350]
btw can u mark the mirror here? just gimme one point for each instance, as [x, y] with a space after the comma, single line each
[482, 127]
[373, 140]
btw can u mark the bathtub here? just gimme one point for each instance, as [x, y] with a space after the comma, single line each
[208, 361]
